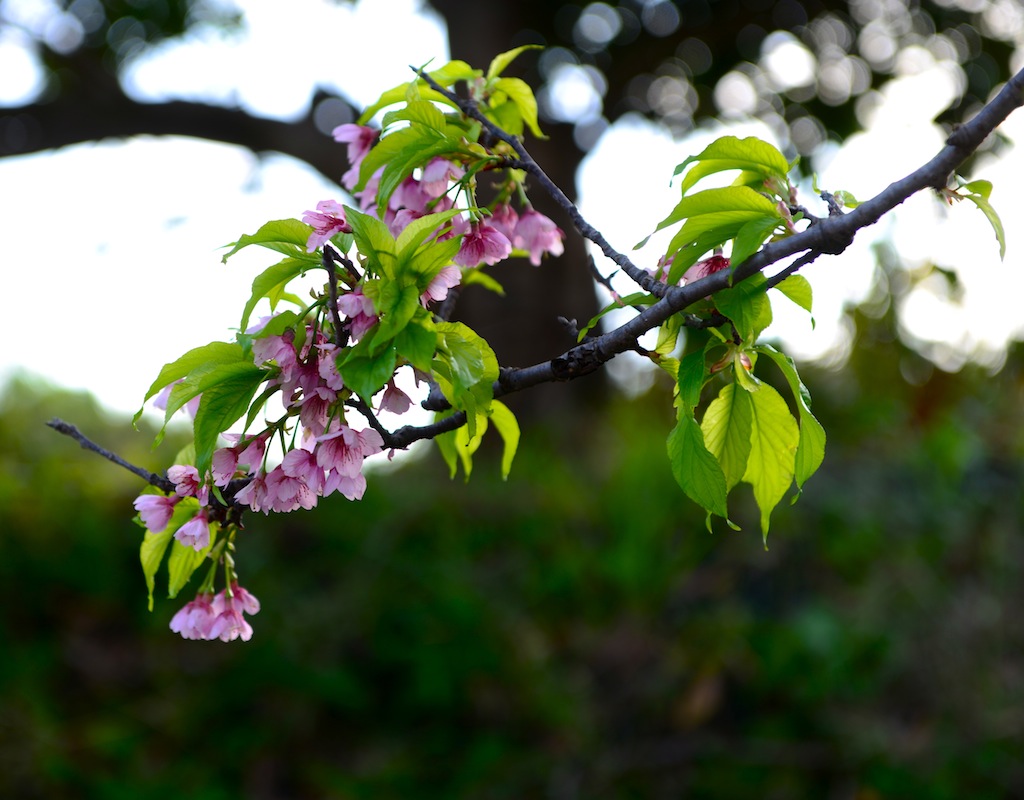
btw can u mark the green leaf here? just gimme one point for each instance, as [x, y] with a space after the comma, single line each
[288, 236]
[798, 289]
[751, 236]
[396, 305]
[466, 369]
[417, 342]
[444, 76]
[478, 276]
[747, 307]
[695, 469]
[417, 231]
[711, 230]
[811, 449]
[502, 60]
[691, 375]
[520, 93]
[207, 354]
[227, 392]
[365, 372]
[993, 218]
[727, 427]
[184, 561]
[273, 280]
[730, 152]
[729, 198]
[374, 241]
[508, 427]
[773, 444]
[984, 188]
[446, 445]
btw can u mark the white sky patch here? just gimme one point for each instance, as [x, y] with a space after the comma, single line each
[272, 67]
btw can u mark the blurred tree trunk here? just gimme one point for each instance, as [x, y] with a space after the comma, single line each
[523, 326]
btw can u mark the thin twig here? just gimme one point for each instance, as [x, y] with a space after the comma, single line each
[525, 162]
[332, 292]
[152, 478]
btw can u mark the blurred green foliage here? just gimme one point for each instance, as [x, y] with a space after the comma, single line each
[574, 632]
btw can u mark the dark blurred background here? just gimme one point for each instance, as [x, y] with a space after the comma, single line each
[575, 631]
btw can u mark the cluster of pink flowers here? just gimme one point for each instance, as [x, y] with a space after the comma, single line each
[485, 241]
[217, 616]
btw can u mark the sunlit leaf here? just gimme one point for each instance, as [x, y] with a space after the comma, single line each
[773, 444]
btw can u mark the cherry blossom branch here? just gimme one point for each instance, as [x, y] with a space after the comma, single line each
[525, 162]
[68, 429]
[831, 235]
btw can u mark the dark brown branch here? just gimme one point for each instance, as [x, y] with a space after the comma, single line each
[152, 478]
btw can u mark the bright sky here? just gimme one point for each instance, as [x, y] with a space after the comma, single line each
[110, 250]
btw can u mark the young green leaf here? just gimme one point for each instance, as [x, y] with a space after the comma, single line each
[274, 279]
[773, 444]
[729, 198]
[811, 449]
[288, 236]
[798, 289]
[729, 152]
[981, 201]
[508, 427]
[521, 95]
[747, 307]
[227, 392]
[154, 545]
[727, 427]
[212, 353]
[502, 60]
[695, 469]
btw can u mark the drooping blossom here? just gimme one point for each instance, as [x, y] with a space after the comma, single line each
[155, 510]
[483, 244]
[438, 173]
[327, 220]
[395, 400]
[195, 619]
[505, 219]
[351, 487]
[287, 493]
[254, 493]
[186, 482]
[344, 449]
[360, 311]
[410, 195]
[246, 455]
[315, 409]
[537, 234]
[196, 532]
[279, 350]
[327, 366]
[301, 464]
[360, 140]
[230, 606]
[437, 290]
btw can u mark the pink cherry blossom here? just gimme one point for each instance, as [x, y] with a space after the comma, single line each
[186, 483]
[483, 244]
[394, 400]
[196, 618]
[301, 464]
[360, 140]
[344, 449]
[196, 532]
[437, 290]
[706, 267]
[327, 220]
[410, 194]
[230, 606]
[315, 410]
[328, 367]
[359, 309]
[287, 493]
[537, 234]
[254, 493]
[155, 510]
[351, 486]
[246, 454]
[505, 219]
[437, 175]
